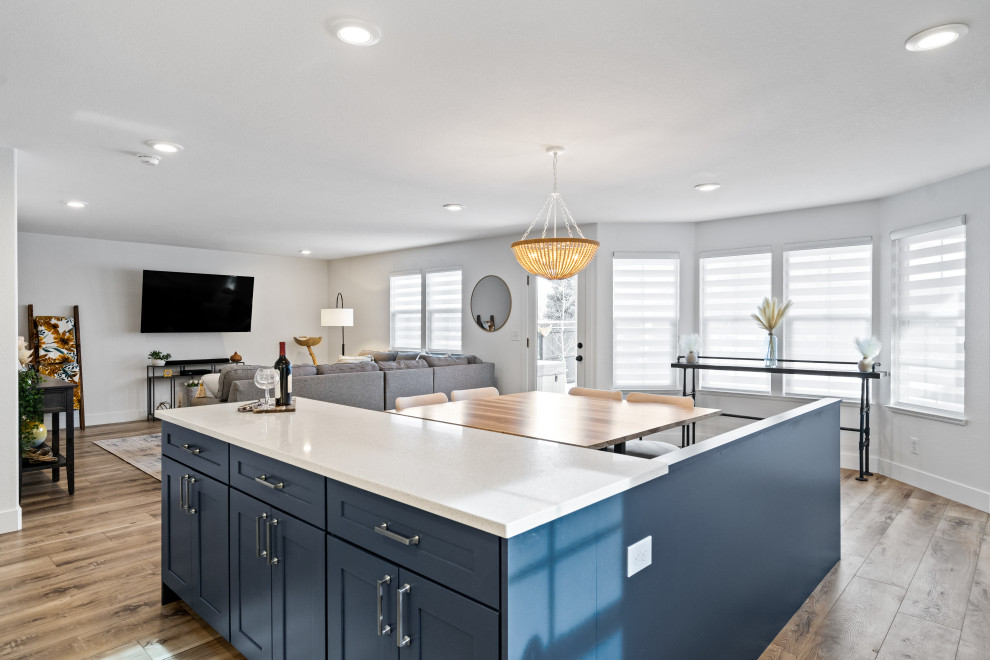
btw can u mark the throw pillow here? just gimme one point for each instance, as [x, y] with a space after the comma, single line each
[350, 359]
[397, 365]
[379, 356]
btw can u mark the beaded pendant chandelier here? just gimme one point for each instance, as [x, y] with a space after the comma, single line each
[553, 257]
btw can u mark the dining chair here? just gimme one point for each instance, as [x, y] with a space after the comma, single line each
[614, 395]
[681, 401]
[476, 393]
[403, 402]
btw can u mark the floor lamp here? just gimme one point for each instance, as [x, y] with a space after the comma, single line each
[338, 316]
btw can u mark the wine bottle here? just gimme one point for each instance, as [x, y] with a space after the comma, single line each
[284, 368]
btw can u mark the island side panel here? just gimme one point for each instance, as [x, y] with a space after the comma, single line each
[741, 534]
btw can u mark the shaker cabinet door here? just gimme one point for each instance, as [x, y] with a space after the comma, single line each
[443, 625]
[356, 580]
[211, 588]
[177, 531]
[250, 577]
[299, 598]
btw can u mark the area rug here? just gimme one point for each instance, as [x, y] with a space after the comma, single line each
[142, 451]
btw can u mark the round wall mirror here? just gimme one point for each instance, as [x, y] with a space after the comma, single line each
[491, 303]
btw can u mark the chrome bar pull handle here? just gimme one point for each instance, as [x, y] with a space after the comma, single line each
[400, 639]
[191, 511]
[257, 536]
[383, 628]
[272, 559]
[404, 540]
[263, 480]
[182, 492]
[191, 449]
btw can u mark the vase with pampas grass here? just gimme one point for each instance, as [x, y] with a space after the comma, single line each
[769, 315]
[690, 345]
[869, 348]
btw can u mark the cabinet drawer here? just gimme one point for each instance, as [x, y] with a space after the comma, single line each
[455, 555]
[198, 451]
[286, 487]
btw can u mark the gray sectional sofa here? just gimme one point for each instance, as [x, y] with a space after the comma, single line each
[373, 385]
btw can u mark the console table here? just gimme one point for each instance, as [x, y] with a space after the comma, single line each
[58, 398]
[185, 368]
[864, 390]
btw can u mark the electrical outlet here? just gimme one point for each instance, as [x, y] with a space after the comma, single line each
[515, 335]
[639, 555]
[914, 445]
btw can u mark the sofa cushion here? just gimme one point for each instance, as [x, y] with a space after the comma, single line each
[380, 356]
[303, 370]
[444, 361]
[346, 367]
[398, 365]
[409, 355]
[234, 372]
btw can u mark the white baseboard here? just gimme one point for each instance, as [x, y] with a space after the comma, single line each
[953, 490]
[10, 521]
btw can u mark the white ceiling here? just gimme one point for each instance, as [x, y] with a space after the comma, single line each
[295, 140]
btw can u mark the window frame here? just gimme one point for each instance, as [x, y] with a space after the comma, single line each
[428, 312]
[424, 310]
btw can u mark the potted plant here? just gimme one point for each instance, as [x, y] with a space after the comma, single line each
[158, 358]
[31, 409]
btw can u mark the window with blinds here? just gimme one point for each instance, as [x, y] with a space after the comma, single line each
[644, 320]
[443, 310]
[731, 288]
[831, 289]
[929, 282]
[406, 310]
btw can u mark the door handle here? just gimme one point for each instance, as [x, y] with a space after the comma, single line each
[272, 559]
[578, 358]
[190, 510]
[383, 628]
[258, 552]
[400, 639]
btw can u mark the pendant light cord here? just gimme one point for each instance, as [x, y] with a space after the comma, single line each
[550, 210]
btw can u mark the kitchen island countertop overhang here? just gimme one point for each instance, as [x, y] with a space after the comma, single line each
[497, 483]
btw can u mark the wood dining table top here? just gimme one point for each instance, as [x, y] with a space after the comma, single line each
[573, 420]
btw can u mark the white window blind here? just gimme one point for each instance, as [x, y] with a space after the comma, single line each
[731, 289]
[644, 321]
[405, 310]
[443, 310]
[831, 289]
[929, 282]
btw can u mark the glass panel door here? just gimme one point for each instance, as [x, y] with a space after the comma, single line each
[556, 334]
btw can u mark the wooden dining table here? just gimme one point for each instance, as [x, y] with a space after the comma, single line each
[571, 420]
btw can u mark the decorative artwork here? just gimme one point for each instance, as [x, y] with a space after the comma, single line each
[57, 355]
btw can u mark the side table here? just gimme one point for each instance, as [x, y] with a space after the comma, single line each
[58, 398]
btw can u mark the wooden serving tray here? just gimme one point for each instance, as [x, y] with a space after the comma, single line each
[252, 407]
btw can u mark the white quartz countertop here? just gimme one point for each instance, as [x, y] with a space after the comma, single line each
[498, 483]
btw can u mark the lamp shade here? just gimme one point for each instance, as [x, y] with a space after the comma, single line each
[338, 316]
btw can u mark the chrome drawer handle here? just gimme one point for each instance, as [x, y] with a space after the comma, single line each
[263, 480]
[400, 639]
[191, 449]
[404, 540]
[272, 559]
[182, 493]
[383, 628]
[258, 552]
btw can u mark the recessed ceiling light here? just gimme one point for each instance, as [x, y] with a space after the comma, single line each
[355, 32]
[936, 37]
[164, 147]
[75, 204]
[453, 207]
[708, 187]
[305, 252]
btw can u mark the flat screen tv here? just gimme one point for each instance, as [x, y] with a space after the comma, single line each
[195, 302]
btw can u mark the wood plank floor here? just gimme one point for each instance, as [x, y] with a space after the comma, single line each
[82, 579]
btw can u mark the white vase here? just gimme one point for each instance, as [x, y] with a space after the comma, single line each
[158, 363]
[691, 357]
[866, 364]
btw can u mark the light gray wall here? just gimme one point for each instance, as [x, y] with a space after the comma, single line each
[104, 279]
[364, 283]
[10, 510]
